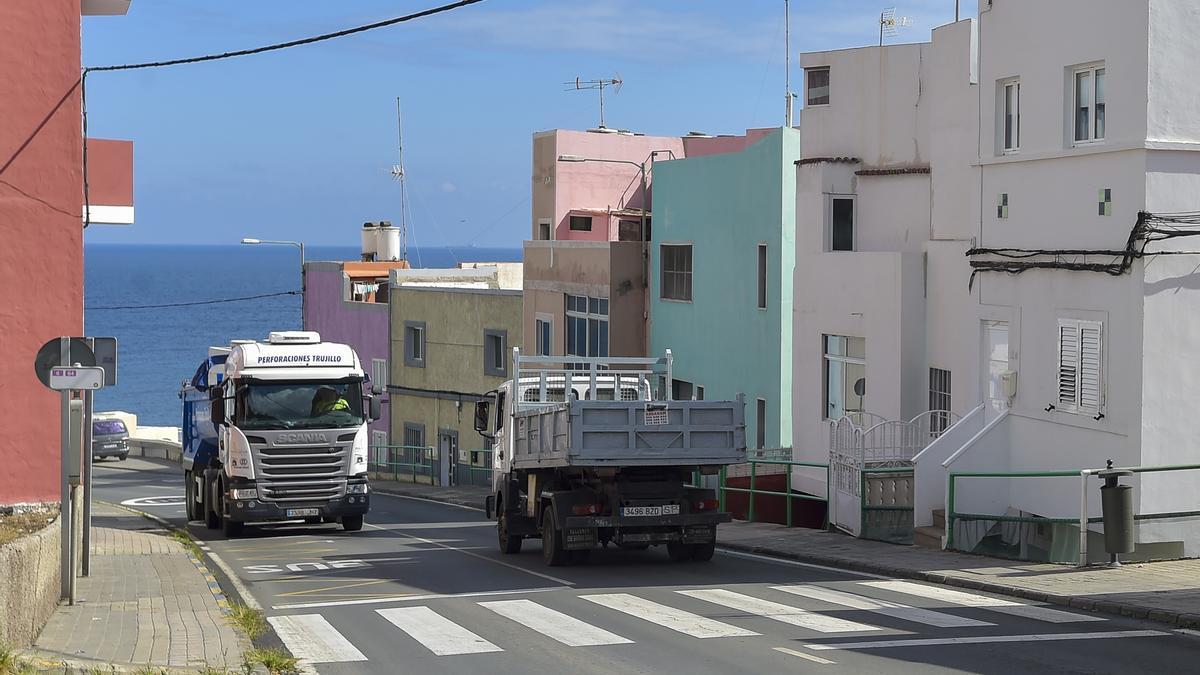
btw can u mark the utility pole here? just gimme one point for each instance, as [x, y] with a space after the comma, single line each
[787, 60]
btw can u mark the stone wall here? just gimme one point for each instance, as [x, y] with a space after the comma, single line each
[29, 585]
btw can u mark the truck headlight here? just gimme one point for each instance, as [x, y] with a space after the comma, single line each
[357, 489]
[251, 493]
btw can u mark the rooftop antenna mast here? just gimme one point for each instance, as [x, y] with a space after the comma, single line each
[889, 22]
[398, 175]
[615, 82]
[787, 60]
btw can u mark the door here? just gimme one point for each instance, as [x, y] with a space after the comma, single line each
[995, 363]
[447, 455]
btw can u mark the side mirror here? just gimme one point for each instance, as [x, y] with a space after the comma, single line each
[376, 408]
[376, 387]
[217, 404]
[481, 418]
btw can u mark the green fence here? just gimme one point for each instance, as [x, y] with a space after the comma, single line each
[723, 487]
[410, 463]
[477, 470]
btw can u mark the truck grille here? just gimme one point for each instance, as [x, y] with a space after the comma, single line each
[301, 473]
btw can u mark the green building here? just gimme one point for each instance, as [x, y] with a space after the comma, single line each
[722, 257]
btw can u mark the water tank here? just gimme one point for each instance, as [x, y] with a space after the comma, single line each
[368, 242]
[387, 242]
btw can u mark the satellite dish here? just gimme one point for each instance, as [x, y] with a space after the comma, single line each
[49, 356]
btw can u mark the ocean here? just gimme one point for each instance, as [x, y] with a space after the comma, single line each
[158, 348]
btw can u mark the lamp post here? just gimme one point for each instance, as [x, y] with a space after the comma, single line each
[303, 283]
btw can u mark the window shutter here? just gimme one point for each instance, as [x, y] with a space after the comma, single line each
[1068, 364]
[1090, 390]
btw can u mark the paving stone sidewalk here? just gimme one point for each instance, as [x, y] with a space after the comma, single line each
[146, 603]
[1167, 592]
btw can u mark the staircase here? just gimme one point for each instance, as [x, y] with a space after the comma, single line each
[931, 537]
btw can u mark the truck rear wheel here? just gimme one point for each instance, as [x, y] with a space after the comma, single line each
[703, 552]
[352, 523]
[189, 496]
[212, 519]
[509, 543]
[553, 553]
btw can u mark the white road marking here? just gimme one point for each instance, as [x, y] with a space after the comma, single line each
[984, 639]
[1188, 631]
[953, 597]
[778, 612]
[556, 580]
[894, 609]
[439, 634]
[423, 499]
[796, 563]
[310, 638]
[553, 624]
[807, 657]
[668, 617]
[408, 598]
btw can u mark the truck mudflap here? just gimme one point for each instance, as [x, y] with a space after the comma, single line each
[253, 510]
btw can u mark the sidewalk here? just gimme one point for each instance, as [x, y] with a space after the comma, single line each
[1166, 592]
[147, 603]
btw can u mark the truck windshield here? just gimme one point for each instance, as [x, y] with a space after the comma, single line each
[299, 405]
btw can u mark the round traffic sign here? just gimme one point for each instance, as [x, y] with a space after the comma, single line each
[50, 356]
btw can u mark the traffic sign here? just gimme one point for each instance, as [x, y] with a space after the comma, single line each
[76, 377]
[105, 349]
[50, 356]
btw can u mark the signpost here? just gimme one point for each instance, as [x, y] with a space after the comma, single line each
[69, 365]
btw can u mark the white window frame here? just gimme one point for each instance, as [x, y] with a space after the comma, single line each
[1073, 96]
[828, 358]
[808, 97]
[543, 348]
[379, 449]
[1079, 345]
[829, 199]
[379, 373]
[940, 392]
[1012, 84]
[589, 316]
[414, 344]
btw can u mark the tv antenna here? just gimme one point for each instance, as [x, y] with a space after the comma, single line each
[399, 176]
[889, 22]
[615, 82]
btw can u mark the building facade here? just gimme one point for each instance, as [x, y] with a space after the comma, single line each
[41, 215]
[722, 259]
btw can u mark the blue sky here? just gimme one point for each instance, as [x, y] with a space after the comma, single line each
[298, 144]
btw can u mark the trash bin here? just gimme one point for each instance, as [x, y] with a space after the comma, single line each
[1116, 503]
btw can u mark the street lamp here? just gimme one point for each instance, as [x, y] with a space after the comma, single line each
[303, 284]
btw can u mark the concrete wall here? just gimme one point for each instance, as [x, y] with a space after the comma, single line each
[29, 586]
[725, 206]
[40, 207]
[1173, 92]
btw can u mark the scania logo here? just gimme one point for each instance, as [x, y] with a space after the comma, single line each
[292, 439]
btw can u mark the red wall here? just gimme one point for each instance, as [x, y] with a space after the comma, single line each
[41, 237]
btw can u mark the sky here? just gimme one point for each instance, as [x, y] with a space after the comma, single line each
[298, 144]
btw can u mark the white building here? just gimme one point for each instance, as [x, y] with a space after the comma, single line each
[1060, 352]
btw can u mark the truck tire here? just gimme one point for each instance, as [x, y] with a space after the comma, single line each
[553, 553]
[509, 543]
[352, 523]
[232, 528]
[703, 552]
[189, 496]
[679, 551]
[212, 519]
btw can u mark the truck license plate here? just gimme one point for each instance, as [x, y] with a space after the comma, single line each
[634, 511]
[302, 513]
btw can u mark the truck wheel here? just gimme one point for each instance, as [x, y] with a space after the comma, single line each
[679, 551]
[189, 496]
[212, 519]
[553, 553]
[703, 552]
[352, 523]
[509, 543]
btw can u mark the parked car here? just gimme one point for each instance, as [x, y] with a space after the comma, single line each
[110, 438]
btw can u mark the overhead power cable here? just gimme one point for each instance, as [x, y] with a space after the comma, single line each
[197, 302]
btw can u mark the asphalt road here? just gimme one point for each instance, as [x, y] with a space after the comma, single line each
[423, 589]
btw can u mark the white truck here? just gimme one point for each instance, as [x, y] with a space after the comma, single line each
[589, 451]
[277, 430]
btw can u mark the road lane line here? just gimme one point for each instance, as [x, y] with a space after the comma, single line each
[553, 624]
[778, 612]
[424, 499]
[428, 596]
[953, 597]
[667, 617]
[310, 638]
[796, 563]
[481, 557]
[808, 657]
[893, 609]
[437, 633]
[985, 639]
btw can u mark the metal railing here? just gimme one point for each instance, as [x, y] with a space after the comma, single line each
[788, 495]
[1083, 520]
[402, 462]
[477, 471]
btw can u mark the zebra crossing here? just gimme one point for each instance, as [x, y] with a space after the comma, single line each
[811, 608]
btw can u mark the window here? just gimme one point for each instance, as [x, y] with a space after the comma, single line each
[495, 343]
[544, 230]
[939, 401]
[414, 435]
[379, 373]
[760, 420]
[379, 450]
[700, 393]
[1106, 201]
[587, 326]
[1002, 205]
[681, 390]
[581, 223]
[414, 344]
[676, 272]
[543, 332]
[1089, 104]
[762, 276]
[1011, 103]
[845, 375]
[841, 223]
[1080, 376]
[818, 86]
